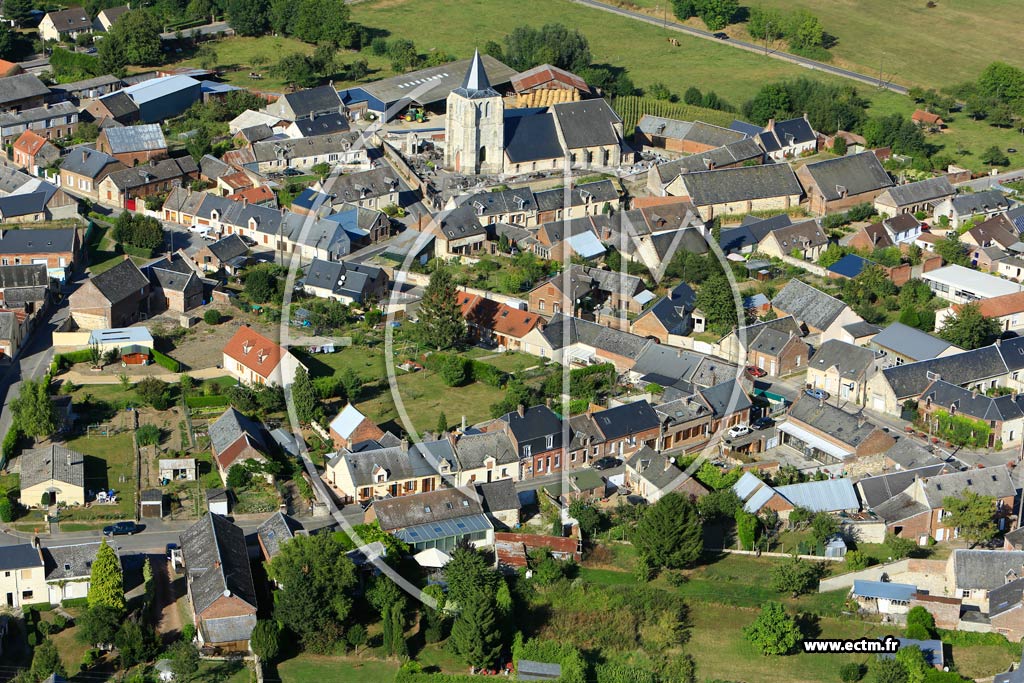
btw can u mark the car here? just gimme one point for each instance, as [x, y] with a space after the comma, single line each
[292, 172]
[1011, 150]
[606, 463]
[248, 240]
[762, 423]
[755, 371]
[819, 394]
[722, 36]
[122, 529]
[737, 431]
[171, 547]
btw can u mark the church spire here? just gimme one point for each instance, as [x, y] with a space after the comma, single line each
[476, 83]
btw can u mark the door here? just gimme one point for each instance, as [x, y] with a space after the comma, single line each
[772, 371]
[10, 599]
[129, 204]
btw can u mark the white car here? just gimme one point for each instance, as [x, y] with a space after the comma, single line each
[738, 431]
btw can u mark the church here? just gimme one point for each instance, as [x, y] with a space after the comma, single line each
[485, 137]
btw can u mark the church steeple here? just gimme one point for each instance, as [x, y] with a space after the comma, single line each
[476, 84]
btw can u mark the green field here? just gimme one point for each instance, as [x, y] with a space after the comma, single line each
[308, 667]
[236, 57]
[107, 460]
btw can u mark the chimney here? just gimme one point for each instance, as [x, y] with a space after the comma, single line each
[463, 424]
[521, 410]
[770, 125]
[861, 420]
[405, 444]
[547, 402]
[126, 257]
[974, 392]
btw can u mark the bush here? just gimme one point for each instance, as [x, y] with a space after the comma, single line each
[60, 621]
[851, 672]
[206, 401]
[917, 632]
[33, 639]
[212, 317]
[6, 509]
[44, 628]
[856, 560]
[454, 371]
[75, 602]
[148, 435]
[165, 361]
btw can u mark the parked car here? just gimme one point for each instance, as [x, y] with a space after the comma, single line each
[737, 431]
[606, 463]
[755, 371]
[722, 36]
[171, 547]
[122, 529]
[762, 423]
[819, 394]
[292, 172]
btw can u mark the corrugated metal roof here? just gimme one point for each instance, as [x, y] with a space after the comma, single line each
[757, 501]
[814, 440]
[883, 590]
[830, 495]
[586, 244]
[746, 485]
[159, 87]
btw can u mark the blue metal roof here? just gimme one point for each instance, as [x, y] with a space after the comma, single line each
[586, 244]
[449, 528]
[830, 495]
[883, 590]
[849, 266]
[159, 87]
[123, 335]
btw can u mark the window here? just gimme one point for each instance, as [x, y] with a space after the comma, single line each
[527, 451]
[540, 303]
[572, 457]
[26, 595]
[557, 460]
[540, 465]
[549, 441]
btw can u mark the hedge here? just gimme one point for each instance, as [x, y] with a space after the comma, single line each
[972, 638]
[10, 444]
[166, 361]
[39, 607]
[75, 602]
[69, 358]
[207, 401]
[136, 251]
[478, 370]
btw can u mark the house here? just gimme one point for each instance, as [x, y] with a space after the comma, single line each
[876, 490]
[536, 434]
[53, 472]
[881, 597]
[590, 287]
[663, 179]
[805, 240]
[58, 248]
[259, 196]
[573, 341]
[319, 238]
[928, 119]
[590, 132]
[115, 298]
[1007, 309]
[828, 495]
[747, 238]
[910, 198]
[235, 439]
[974, 575]
[337, 149]
[121, 188]
[132, 145]
[830, 435]
[1004, 415]
[373, 189]
[620, 431]
[351, 427]
[960, 208]
[998, 231]
[918, 512]
[277, 530]
[593, 199]
[681, 137]
[496, 323]
[178, 469]
[485, 457]
[305, 103]
[22, 576]
[65, 25]
[650, 475]
[347, 282]
[815, 310]
[843, 369]
[501, 502]
[783, 140]
[36, 202]
[82, 170]
[24, 285]
[159, 99]
[837, 184]
[24, 91]
[670, 318]
[873, 236]
[387, 471]
[33, 152]
[898, 344]
[323, 124]
[228, 253]
[441, 519]
[51, 121]
[114, 108]
[778, 348]
[221, 592]
[961, 285]
[174, 284]
[254, 359]
[13, 330]
[86, 89]
[250, 118]
[362, 225]
[773, 187]
[106, 18]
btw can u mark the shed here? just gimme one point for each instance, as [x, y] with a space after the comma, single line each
[529, 670]
[178, 469]
[217, 501]
[134, 354]
[152, 503]
[835, 547]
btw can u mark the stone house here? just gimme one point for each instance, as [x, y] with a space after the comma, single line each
[82, 170]
[484, 458]
[54, 471]
[1004, 415]
[133, 145]
[741, 190]
[380, 471]
[842, 369]
[835, 185]
[175, 285]
[123, 187]
[805, 240]
[58, 248]
[830, 435]
[909, 198]
[818, 312]
[115, 298]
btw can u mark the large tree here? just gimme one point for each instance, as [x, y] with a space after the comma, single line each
[794, 575]
[971, 513]
[476, 636]
[469, 572]
[441, 323]
[669, 534]
[304, 397]
[249, 17]
[18, 11]
[97, 625]
[773, 632]
[106, 583]
[46, 661]
[968, 328]
[133, 39]
[316, 578]
[33, 411]
[265, 639]
[952, 250]
[555, 44]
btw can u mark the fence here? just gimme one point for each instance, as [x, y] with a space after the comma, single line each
[870, 574]
[756, 553]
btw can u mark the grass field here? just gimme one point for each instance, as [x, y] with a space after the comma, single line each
[314, 668]
[107, 460]
[236, 57]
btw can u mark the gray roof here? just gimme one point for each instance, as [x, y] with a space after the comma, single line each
[808, 304]
[355, 280]
[918, 192]
[691, 131]
[911, 379]
[27, 116]
[119, 105]
[471, 450]
[787, 133]
[442, 80]
[876, 490]
[8, 325]
[300, 148]
[852, 362]
[260, 131]
[668, 361]
[861, 329]
[277, 529]
[11, 179]
[34, 275]
[986, 569]
[424, 508]
[1006, 597]
[988, 481]
[974, 404]
[212, 167]
[587, 123]
[852, 174]
[120, 282]
[217, 562]
[706, 188]
[227, 248]
[626, 419]
[802, 235]
[87, 162]
[352, 187]
[20, 87]
[230, 427]
[324, 124]
[154, 172]
[147, 137]
[770, 342]
[827, 495]
[69, 561]
[657, 469]
[909, 454]
[531, 138]
[317, 100]
[499, 496]
[899, 507]
[476, 85]
[23, 204]
[591, 334]
[20, 556]
[785, 324]
[55, 462]
[725, 398]
[593, 192]
[528, 670]
[839, 424]
[736, 152]
[398, 462]
[71, 19]
[980, 202]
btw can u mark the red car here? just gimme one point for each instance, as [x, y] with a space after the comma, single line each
[755, 371]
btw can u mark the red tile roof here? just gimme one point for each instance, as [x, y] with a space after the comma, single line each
[545, 73]
[253, 195]
[9, 68]
[999, 306]
[254, 351]
[29, 143]
[498, 317]
[237, 180]
[922, 116]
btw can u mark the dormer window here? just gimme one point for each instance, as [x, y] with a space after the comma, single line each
[246, 348]
[549, 441]
[261, 356]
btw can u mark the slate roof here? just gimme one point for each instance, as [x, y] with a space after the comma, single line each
[910, 342]
[980, 202]
[119, 105]
[213, 168]
[398, 462]
[988, 481]
[854, 173]
[784, 324]
[227, 248]
[317, 100]
[424, 508]
[878, 489]
[21, 87]
[499, 495]
[671, 362]
[1005, 598]
[147, 137]
[852, 362]
[277, 529]
[324, 124]
[899, 507]
[909, 454]
[973, 404]
[626, 419]
[34, 275]
[986, 569]
[87, 162]
[657, 469]
[56, 462]
[351, 187]
[260, 131]
[217, 561]
[673, 310]
[24, 204]
[153, 172]
[531, 138]
[911, 379]
[725, 398]
[787, 134]
[69, 561]
[471, 450]
[343, 277]
[808, 304]
[706, 188]
[230, 427]
[751, 231]
[587, 123]
[837, 423]
[120, 282]
[537, 421]
[597, 191]
[300, 148]
[8, 325]
[803, 235]
[21, 556]
[918, 192]
[25, 117]
[71, 19]
[595, 335]
[719, 157]
[850, 266]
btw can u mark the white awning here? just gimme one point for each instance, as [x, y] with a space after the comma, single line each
[814, 441]
[432, 558]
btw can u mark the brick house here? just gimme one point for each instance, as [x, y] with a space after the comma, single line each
[175, 285]
[33, 152]
[772, 187]
[234, 439]
[121, 188]
[494, 322]
[115, 298]
[133, 145]
[58, 248]
[617, 432]
[51, 121]
[82, 170]
[221, 254]
[536, 433]
[115, 106]
[837, 184]
[682, 137]
[831, 435]
[350, 427]
[1004, 415]
[842, 369]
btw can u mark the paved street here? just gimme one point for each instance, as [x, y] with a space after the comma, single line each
[992, 180]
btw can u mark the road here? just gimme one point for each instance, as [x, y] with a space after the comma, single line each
[749, 47]
[205, 30]
[991, 180]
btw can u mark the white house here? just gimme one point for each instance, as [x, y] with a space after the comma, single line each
[962, 285]
[254, 359]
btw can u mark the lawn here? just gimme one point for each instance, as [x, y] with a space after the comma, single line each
[509, 361]
[103, 252]
[223, 672]
[367, 362]
[236, 58]
[308, 667]
[107, 461]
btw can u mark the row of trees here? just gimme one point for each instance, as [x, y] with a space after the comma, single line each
[136, 230]
[716, 14]
[801, 29]
[312, 21]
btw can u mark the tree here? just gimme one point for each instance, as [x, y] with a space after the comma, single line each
[588, 517]
[851, 672]
[18, 11]
[805, 31]
[315, 577]
[304, 397]
[133, 39]
[154, 392]
[184, 660]
[972, 514]
[773, 632]
[46, 661]
[794, 575]
[839, 146]
[33, 412]
[469, 572]
[135, 643]
[772, 101]
[441, 323]
[888, 671]
[717, 14]
[692, 96]
[765, 23]
[718, 505]
[238, 477]
[659, 91]
[106, 582]
[212, 317]
[476, 636]
[261, 285]
[857, 560]
[715, 299]
[746, 529]
[265, 639]
[670, 533]
[249, 17]
[356, 636]
[899, 547]
[920, 617]
[555, 44]
[98, 625]
[914, 663]
[968, 328]
[952, 250]
[454, 370]
[442, 423]
[994, 156]
[395, 619]
[823, 525]
[6, 508]
[198, 144]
